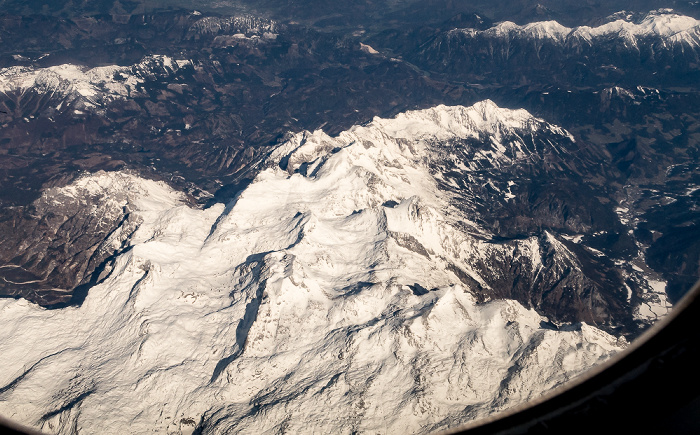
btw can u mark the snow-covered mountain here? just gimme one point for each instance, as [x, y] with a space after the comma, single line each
[243, 24]
[341, 291]
[82, 87]
[662, 26]
[628, 49]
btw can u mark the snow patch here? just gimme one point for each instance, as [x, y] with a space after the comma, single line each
[655, 303]
[368, 49]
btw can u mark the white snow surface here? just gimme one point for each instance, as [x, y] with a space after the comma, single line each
[116, 191]
[664, 24]
[291, 308]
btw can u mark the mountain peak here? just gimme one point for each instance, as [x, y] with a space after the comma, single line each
[662, 23]
[435, 125]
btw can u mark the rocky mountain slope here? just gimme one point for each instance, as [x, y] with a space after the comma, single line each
[341, 289]
[68, 242]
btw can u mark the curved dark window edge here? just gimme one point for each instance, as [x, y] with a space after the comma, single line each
[653, 386]
[11, 428]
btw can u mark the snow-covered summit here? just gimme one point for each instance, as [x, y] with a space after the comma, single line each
[484, 117]
[336, 293]
[89, 87]
[114, 190]
[661, 24]
[538, 30]
[427, 131]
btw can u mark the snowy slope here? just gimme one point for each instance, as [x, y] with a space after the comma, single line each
[330, 296]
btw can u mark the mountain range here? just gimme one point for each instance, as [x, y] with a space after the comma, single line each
[343, 281]
[223, 220]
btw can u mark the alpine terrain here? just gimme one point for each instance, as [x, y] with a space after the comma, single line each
[335, 217]
[341, 289]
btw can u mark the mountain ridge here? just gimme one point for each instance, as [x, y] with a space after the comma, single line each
[306, 289]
